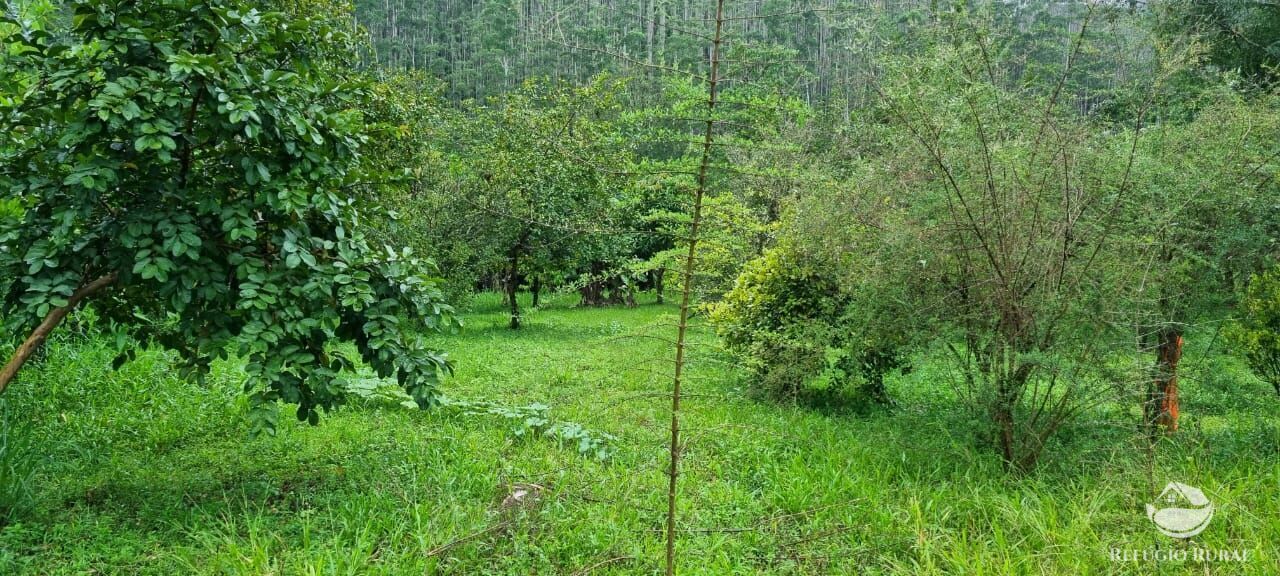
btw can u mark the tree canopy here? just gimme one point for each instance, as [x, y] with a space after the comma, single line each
[204, 181]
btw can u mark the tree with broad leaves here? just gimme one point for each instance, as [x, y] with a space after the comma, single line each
[533, 176]
[199, 160]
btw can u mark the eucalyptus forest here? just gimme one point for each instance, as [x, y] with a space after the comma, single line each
[517, 287]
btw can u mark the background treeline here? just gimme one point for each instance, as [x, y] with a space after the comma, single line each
[819, 52]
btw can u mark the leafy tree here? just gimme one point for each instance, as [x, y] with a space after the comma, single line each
[1241, 35]
[1202, 216]
[530, 177]
[1012, 198]
[651, 210]
[194, 158]
[1256, 334]
[755, 171]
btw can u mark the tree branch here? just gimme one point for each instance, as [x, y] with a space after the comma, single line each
[41, 333]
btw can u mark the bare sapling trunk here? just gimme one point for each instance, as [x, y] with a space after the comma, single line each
[46, 327]
[673, 468]
[513, 277]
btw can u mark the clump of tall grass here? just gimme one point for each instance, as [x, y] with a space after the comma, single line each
[18, 459]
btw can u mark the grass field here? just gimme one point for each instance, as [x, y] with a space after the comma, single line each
[139, 472]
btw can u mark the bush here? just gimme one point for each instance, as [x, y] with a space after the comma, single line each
[1256, 334]
[803, 334]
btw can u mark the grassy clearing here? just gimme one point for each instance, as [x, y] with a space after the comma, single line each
[143, 473]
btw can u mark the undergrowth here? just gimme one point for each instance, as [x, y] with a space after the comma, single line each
[142, 472]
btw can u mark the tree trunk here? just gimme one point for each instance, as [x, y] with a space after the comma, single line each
[593, 289]
[1162, 398]
[590, 292]
[1017, 453]
[649, 31]
[614, 285]
[875, 390]
[878, 363]
[619, 293]
[513, 284]
[1004, 422]
[51, 321]
[536, 288]
[658, 287]
[512, 301]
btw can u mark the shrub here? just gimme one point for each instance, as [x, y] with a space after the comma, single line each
[1256, 333]
[803, 334]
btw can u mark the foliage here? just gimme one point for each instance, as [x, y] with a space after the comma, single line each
[794, 322]
[206, 175]
[404, 117]
[729, 234]
[534, 421]
[1242, 35]
[1203, 205]
[756, 167]
[528, 178]
[483, 48]
[380, 392]
[992, 206]
[1005, 199]
[1256, 334]
[530, 421]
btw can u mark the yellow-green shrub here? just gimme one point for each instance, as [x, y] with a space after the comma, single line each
[793, 323]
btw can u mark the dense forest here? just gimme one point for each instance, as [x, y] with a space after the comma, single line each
[821, 52]
[600, 287]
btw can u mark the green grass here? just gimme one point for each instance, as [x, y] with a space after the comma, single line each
[143, 473]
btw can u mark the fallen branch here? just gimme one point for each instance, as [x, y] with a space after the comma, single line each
[469, 537]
